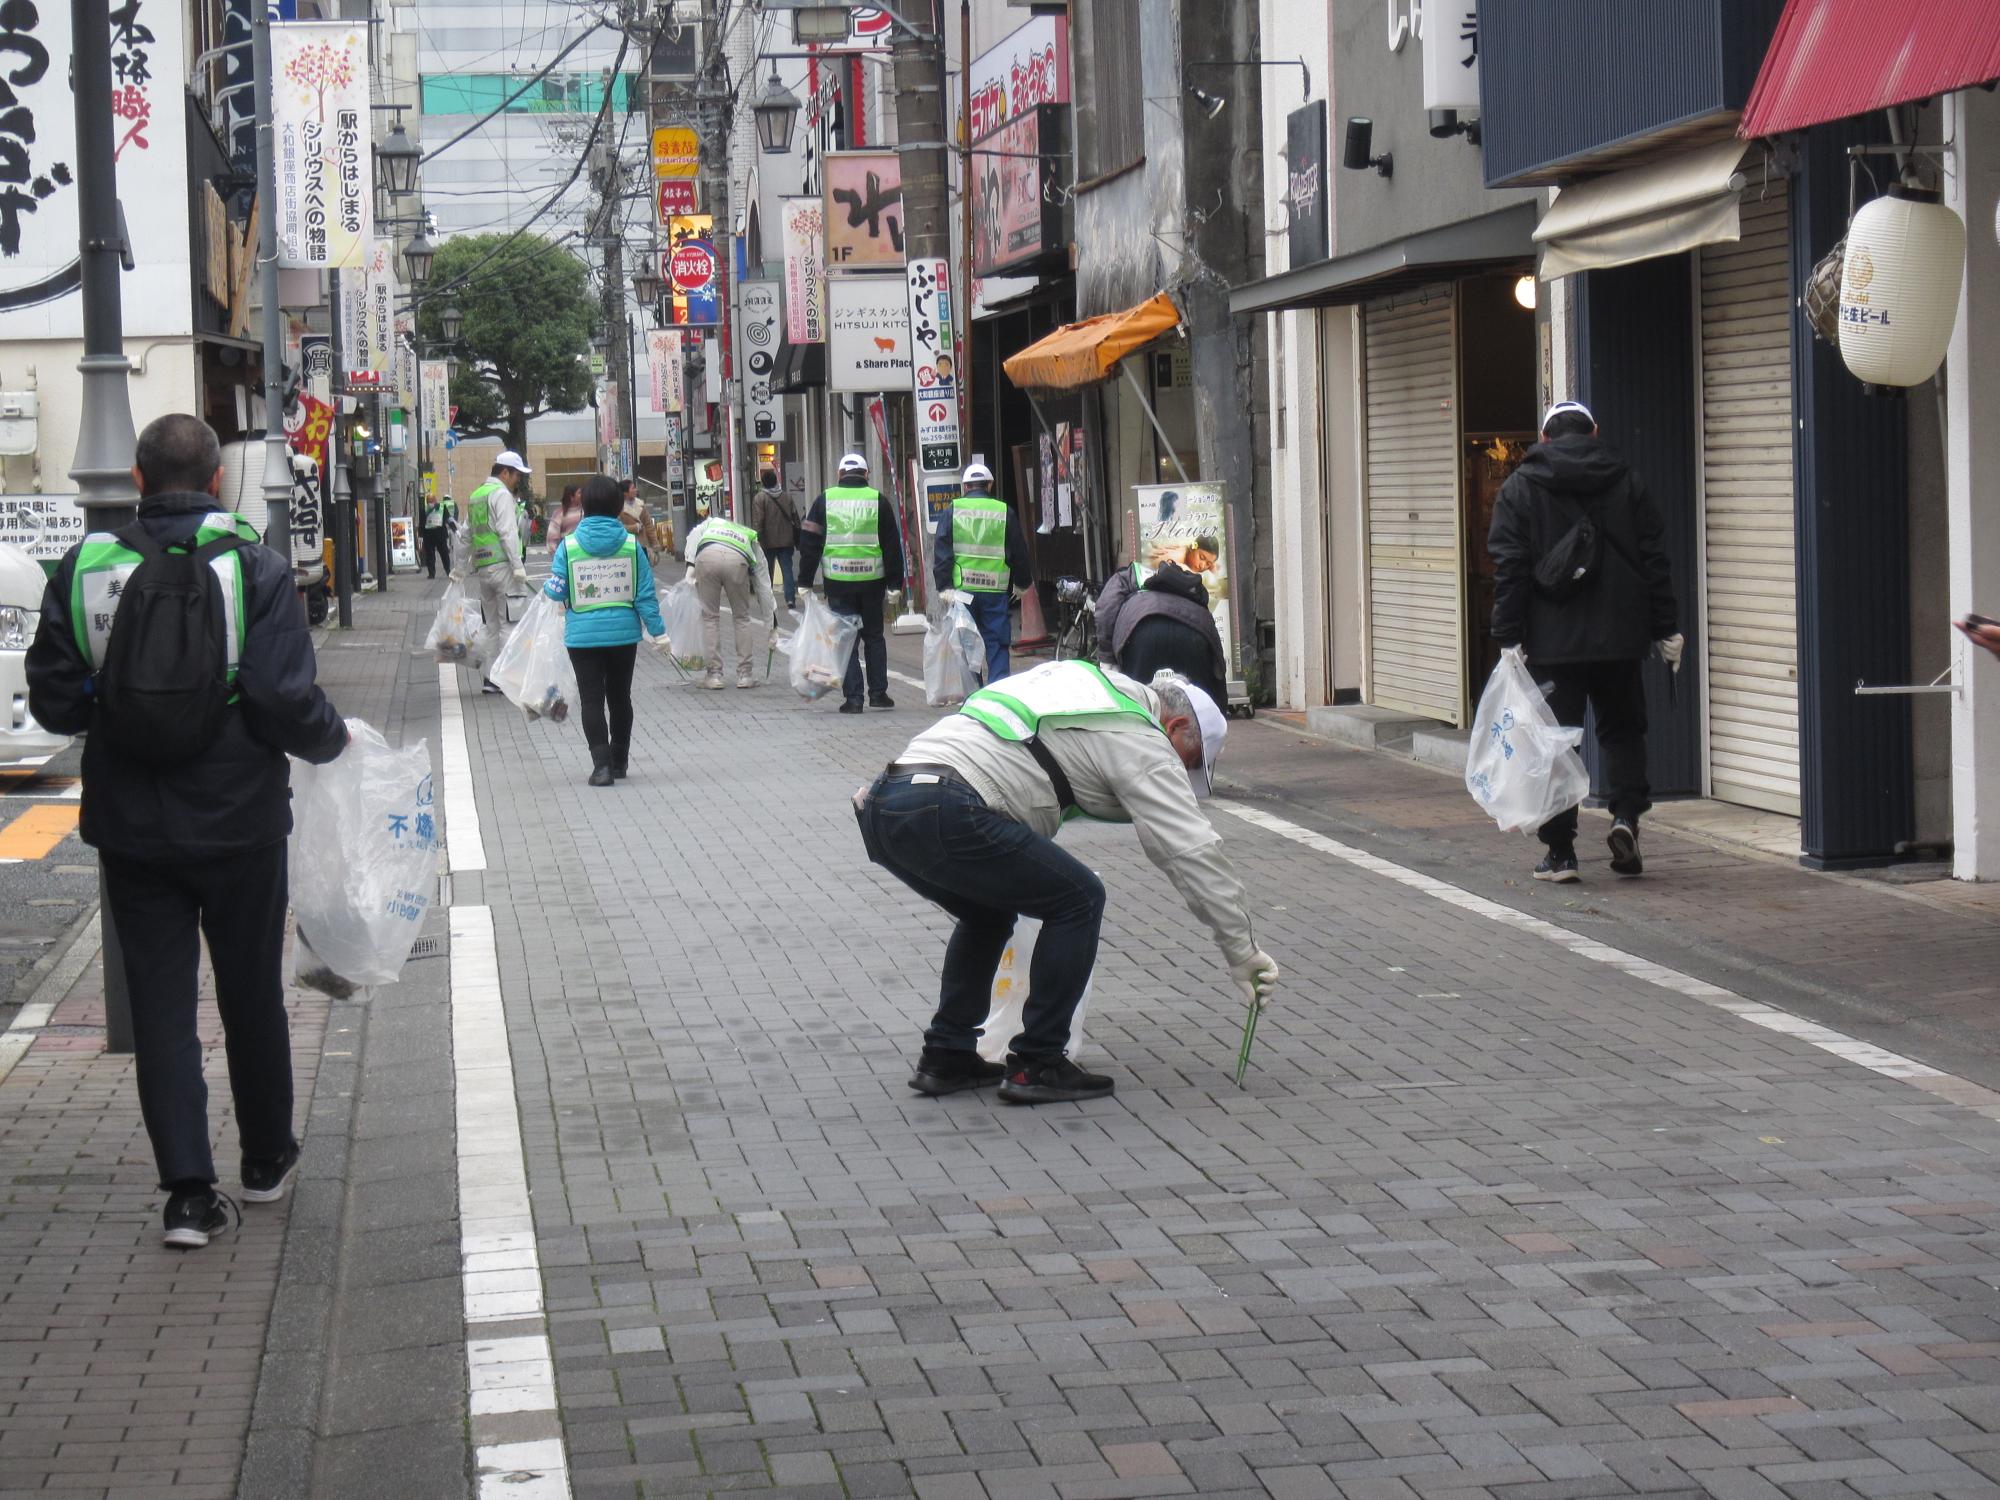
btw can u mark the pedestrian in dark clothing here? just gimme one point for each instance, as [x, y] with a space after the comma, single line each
[194, 848]
[852, 530]
[775, 516]
[980, 557]
[440, 521]
[1162, 622]
[1583, 587]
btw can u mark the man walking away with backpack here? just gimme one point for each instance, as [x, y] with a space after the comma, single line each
[1582, 585]
[179, 644]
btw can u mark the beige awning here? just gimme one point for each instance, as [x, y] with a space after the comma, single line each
[1662, 208]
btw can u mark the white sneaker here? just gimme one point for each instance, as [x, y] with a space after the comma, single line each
[713, 682]
[744, 679]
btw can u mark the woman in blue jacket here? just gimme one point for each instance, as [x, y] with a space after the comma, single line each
[603, 577]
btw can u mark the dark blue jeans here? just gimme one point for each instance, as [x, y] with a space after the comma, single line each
[865, 602]
[942, 841]
[782, 556]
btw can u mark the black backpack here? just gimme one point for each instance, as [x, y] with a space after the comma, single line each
[163, 689]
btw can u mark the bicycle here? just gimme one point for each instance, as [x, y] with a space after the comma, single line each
[1076, 620]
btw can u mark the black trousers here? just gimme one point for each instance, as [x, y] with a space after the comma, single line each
[437, 546]
[867, 603]
[604, 683]
[1616, 696]
[162, 911]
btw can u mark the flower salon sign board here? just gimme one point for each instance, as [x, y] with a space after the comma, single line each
[323, 135]
[40, 274]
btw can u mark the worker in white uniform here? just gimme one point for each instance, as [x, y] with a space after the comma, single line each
[967, 816]
[493, 537]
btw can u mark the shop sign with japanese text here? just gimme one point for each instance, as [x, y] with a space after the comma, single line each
[933, 372]
[321, 130]
[868, 334]
[805, 270]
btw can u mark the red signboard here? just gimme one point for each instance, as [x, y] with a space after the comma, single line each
[676, 197]
[691, 267]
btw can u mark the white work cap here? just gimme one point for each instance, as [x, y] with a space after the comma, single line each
[1214, 725]
[854, 461]
[977, 474]
[509, 459]
[1562, 406]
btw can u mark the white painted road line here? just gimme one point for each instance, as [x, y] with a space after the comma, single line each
[465, 848]
[1944, 1085]
[35, 1013]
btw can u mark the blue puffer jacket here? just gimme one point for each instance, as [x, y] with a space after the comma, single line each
[600, 536]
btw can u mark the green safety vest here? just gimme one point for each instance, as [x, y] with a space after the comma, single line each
[742, 538]
[486, 549]
[1056, 695]
[853, 535]
[979, 545]
[104, 565]
[602, 582]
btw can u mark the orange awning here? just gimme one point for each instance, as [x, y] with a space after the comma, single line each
[1081, 354]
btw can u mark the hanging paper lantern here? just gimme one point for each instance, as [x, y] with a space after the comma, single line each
[1899, 287]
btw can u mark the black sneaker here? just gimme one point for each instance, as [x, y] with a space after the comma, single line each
[946, 1071]
[881, 700]
[193, 1214]
[268, 1181]
[1624, 842]
[852, 706]
[1050, 1080]
[1561, 868]
[489, 686]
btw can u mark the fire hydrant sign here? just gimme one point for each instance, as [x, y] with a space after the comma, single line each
[933, 377]
[322, 131]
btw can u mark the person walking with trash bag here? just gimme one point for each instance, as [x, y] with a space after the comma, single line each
[727, 560]
[979, 556]
[967, 816]
[600, 573]
[440, 521]
[177, 643]
[493, 526]
[853, 530]
[1583, 588]
[1162, 622]
[775, 514]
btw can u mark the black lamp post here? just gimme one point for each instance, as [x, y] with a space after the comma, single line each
[396, 162]
[451, 323]
[776, 109]
[418, 255]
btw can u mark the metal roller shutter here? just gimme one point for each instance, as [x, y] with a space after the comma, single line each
[1416, 576]
[1747, 511]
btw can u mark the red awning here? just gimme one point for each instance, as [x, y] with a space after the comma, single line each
[1834, 58]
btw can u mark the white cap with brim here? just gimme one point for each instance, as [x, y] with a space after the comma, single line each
[509, 459]
[854, 461]
[977, 474]
[1562, 406]
[1214, 726]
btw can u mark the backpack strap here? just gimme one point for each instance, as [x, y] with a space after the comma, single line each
[140, 540]
[213, 548]
[1046, 759]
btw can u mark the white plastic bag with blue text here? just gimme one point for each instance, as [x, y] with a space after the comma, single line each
[1522, 766]
[363, 861]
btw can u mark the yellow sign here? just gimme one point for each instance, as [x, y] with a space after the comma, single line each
[430, 486]
[676, 152]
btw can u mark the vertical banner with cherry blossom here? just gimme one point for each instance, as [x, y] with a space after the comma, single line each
[323, 142]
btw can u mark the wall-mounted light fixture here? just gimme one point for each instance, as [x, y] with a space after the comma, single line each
[1211, 104]
[1525, 291]
[1355, 156]
[1445, 124]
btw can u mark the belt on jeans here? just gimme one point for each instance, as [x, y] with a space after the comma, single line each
[921, 768]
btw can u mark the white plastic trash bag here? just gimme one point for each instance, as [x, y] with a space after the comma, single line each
[533, 668]
[681, 610]
[820, 648]
[954, 658]
[1522, 766]
[363, 858]
[1010, 997]
[454, 635]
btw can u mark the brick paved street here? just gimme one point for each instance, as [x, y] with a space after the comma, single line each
[1527, 1194]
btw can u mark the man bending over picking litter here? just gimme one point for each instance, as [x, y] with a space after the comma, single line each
[966, 817]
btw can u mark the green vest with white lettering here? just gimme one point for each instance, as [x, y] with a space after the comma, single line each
[979, 545]
[104, 565]
[729, 534]
[486, 549]
[853, 534]
[602, 582]
[1057, 695]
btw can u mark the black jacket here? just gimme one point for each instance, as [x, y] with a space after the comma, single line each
[236, 796]
[1630, 606]
[1021, 572]
[812, 548]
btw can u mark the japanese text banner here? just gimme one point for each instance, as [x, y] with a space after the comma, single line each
[322, 138]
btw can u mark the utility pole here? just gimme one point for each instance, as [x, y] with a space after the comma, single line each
[921, 129]
[608, 179]
[105, 440]
[336, 477]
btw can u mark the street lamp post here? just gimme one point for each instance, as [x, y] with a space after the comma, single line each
[105, 439]
[277, 452]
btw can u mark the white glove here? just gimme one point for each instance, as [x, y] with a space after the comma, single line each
[949, 597]
[1669, 650]
[664, 644]
[1256, 977]
[458, 572]
[520, 574]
